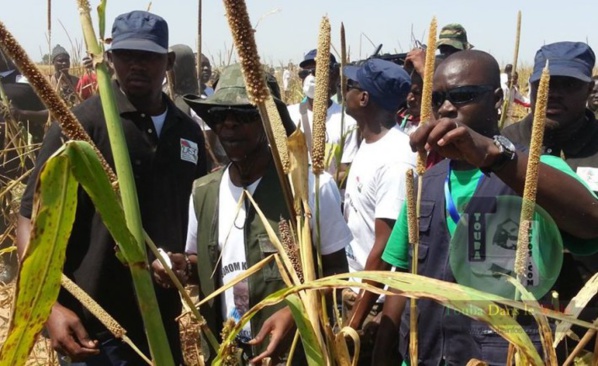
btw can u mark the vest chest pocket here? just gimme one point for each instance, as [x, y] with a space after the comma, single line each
[270, 270]
[422, 251]
[425, 215]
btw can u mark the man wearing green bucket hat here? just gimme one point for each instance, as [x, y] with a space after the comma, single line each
[224, 239]
[452, 38]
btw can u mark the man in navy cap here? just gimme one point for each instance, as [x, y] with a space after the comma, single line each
[571, 133]
[167, 153]
[340, 130]
[376, 183]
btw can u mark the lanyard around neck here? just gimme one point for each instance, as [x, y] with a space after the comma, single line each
[450, 204]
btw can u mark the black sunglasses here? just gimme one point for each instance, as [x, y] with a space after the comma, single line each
[303, 73]
[460, 95]
[242, 116]
[352, 84]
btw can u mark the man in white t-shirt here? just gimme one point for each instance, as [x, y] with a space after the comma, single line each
[375, 189]
[226, 237]
[339, 131]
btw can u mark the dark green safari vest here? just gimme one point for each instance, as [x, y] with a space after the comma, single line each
[268, 196]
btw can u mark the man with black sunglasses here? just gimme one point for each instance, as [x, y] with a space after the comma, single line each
[340, 129]
[480, 167]
[572, 133]
[225, 239]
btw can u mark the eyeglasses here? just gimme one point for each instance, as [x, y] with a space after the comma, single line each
[241, 116]
[352, 84]
[303, 73]
[460, 95]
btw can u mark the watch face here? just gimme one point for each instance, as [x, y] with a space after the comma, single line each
[506, 143]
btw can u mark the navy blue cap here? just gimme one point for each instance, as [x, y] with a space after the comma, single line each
[311, 56]
[387, 83]
[141, 31]
[572, 59]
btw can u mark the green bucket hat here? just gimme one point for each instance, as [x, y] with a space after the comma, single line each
[454, 35]
[231, 92]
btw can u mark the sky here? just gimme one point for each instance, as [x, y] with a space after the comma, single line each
[287, 29]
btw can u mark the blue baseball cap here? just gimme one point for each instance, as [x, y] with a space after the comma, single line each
[572, 59]
[141, 31]
[311, 56]
[387, 83]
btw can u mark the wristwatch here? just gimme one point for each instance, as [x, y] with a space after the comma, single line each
[508, 153]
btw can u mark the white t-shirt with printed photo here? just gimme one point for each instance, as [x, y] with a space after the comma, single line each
[336, 236]
[375, 190]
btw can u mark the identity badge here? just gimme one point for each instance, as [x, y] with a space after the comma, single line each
[189, 151]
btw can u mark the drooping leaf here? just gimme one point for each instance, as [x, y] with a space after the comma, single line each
[41, 268]
[544, 327]
[575, 306]
[88, 171]
[314, 354]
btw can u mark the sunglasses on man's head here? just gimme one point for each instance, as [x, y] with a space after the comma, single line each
[460, 95]
[242, 116]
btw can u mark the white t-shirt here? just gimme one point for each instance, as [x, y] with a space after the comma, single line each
[159, 122]
[375, 190]
[286, 79]
[333, 132]
[336, 236]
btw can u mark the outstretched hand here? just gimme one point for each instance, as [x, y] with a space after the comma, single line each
[454, 141]
[279, 327]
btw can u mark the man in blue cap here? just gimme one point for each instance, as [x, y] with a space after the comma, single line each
[339, 132]
[167, 153]
[572, 133]
[376, 183]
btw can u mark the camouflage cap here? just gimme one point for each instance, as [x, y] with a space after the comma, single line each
[454, 35]
[230, 92]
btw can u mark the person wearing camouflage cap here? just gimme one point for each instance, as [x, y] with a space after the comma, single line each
[226, 239]
[452, 38]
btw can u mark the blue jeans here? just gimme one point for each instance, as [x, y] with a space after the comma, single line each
[113, 352]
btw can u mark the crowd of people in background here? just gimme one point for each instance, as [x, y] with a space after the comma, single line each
[196, 144]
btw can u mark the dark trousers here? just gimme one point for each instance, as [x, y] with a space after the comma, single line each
[113, 352]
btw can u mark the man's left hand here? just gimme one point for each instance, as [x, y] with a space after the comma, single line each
[279, 327]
